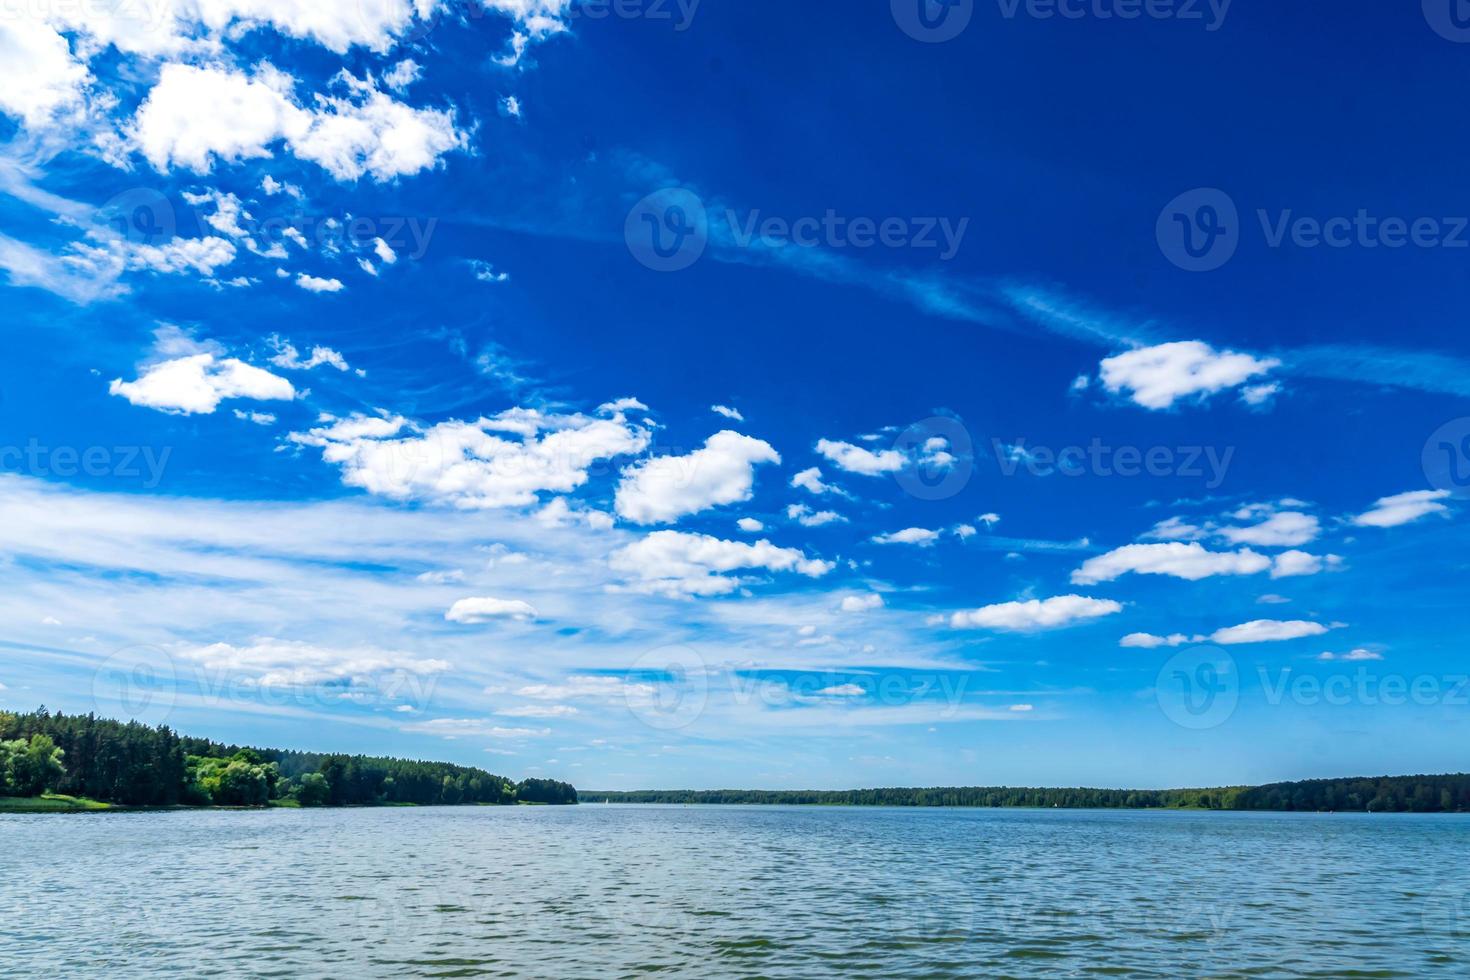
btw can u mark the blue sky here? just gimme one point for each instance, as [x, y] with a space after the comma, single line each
[354, 404]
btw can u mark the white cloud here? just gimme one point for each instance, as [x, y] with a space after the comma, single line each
[1267, 631]
[750, 525]
[861, 603]
[287, 356]
[313, 284]
[1036, 614]
[728, 412]
[539, 711]
[1403, 508]
[282, 663]
[811, 481]
[1284, 529]
[472, 728]
[806, 517]
[855, 459]
[504, 460]
[841, 691]
[485, 272]
[1021, 708]
[674, 563]
[384, 252]
[257, 418]
[663, 489]
[1187, 561]
[1271, 599]
[1353, 656]
[923, 537]
[198, 383]
[590, 687]
[510, 106]
[483, 609]
[1289, 564]
[197, 115]
[1147, 641]
[1156, 377]
[1174, 529]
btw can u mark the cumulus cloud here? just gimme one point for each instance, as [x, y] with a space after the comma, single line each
[806, 517]
[728, 412]
[1148, 641]
[1284, 529]
[855, 459]
[271, 662]
[1403, 508]
[675, 563]
[313, 284]
[1187, 561]
[483, 609]
[750, 525]
[811, 481]
[861, 603]
[1353, 656]
[923, 537]
[1267, 631]
[1156, 377]
[504, 460]
[196, 384]
[1289, 564]
[195, 116]
[663, 489]
[288, 357]
[1036, 614]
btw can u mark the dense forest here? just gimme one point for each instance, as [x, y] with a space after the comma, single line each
[131, 764]
[1382, 794]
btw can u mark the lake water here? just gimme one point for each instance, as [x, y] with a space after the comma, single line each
[597, 890]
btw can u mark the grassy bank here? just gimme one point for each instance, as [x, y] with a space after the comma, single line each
[50, 803]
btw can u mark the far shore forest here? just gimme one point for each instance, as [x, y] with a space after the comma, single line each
[51, 761]
[132, 765]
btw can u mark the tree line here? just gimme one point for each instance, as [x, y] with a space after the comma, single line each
[132, 764]
[1382, 794]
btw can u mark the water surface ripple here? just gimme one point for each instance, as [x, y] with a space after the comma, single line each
[596, 891]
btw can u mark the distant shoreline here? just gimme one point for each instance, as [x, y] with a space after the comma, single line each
[1448, 793]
